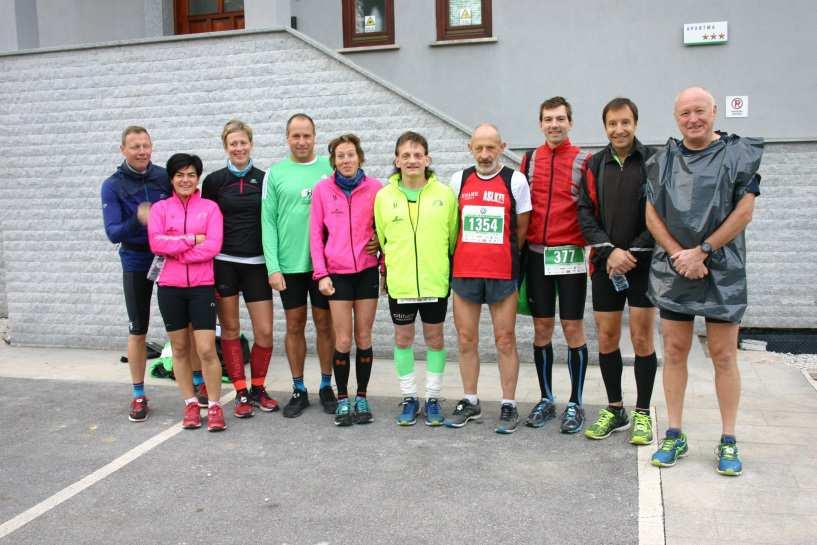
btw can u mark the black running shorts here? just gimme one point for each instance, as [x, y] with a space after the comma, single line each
[250, 280]
[607, 299]
[298, 285]
[138, 291]
[571, 289]
[405, 312]
[353, 287]
[183, 306]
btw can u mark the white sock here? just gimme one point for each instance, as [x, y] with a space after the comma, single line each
[191, 400]
[408, 385]
[211, 403]
[472, 399]
[511, 402]
[434, 385]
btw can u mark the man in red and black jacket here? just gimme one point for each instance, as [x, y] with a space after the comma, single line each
[555, 259]
[612, 218]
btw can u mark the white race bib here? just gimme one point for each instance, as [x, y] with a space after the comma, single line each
[483, 224]
[564, 260]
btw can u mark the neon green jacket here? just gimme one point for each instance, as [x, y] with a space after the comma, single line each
[417, 256]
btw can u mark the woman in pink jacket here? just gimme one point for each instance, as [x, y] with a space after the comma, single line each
[341, 225]
[186, 231]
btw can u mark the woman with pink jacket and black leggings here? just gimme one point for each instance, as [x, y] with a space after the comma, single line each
[186, 231]
[341, 225]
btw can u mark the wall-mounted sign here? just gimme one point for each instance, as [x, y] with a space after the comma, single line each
[737, 106]
[706, 33]
[370, 24]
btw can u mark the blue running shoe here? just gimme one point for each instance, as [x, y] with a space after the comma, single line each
[343, 413]
[572, 418]
[670, 450]
[728, 461]
[434, 413]
[362, 413]
[408, 416]
[508, 419]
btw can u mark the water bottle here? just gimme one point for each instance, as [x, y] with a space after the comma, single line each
[620, 282]
[156, 268]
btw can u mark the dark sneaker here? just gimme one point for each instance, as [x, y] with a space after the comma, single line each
[192, 416]
[328, 400]
[572, 418]
[201, 395]
[542, 412]
[408, 416]
[297, 403]
[362, 412]
[508, 419]
[261, 399]
[728, 460]
[138, 409]
[434, 413]
[607, 422]
[215, 419]
[243, 405]
[463, 412]
[343, 414]
[670, 450]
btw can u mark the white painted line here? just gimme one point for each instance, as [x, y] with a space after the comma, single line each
[650, 500]
[809, 379]
[70, 491]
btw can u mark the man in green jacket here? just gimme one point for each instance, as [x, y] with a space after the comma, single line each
[416, 224]
[285, 205]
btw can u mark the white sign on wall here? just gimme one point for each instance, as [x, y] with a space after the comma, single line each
[737, 106]
[706, 33]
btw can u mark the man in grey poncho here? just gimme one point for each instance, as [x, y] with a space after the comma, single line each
[700, 197]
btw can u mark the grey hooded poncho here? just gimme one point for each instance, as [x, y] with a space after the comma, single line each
[693, 193]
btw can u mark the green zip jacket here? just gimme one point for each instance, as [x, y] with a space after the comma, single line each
[417, 256]
[285, 201]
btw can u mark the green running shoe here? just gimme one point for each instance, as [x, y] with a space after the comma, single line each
[641, 432]
[607, 422]
[670, 450]
[728, 461]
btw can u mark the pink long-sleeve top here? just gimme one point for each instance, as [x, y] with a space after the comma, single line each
[341, 226]
[172, 229]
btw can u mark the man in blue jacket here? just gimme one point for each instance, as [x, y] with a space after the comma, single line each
[126, 198]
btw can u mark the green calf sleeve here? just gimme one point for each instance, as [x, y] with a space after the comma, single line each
[404, 360]
[435, 361]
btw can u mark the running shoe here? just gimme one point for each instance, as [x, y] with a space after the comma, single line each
[328, 400]
[508, 419]
[192, 416]
[343, 414]
[297, 403]
[670, 450]
[261, 399]
[728, 461]
[541, 413]
[572, 418]
[408, 416]
[641, 432]
[243, 405]
[434, 412]
[201, 394]
[138, 409]
[215, 419]
[607, 422]
[463, 412]
[362, 412]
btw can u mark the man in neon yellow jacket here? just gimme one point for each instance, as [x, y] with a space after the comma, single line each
[416, 222]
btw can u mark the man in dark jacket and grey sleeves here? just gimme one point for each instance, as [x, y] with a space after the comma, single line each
[611, 216]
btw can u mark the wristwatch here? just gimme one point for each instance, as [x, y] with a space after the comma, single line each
[706, 248]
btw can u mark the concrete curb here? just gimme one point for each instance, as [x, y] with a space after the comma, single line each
[650, 494]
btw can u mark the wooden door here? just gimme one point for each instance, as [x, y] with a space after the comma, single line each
[194, 16]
